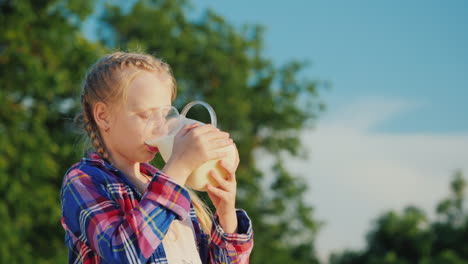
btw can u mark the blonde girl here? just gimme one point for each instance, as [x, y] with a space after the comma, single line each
[116, 207]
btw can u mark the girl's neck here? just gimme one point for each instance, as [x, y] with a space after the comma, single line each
[131, 171]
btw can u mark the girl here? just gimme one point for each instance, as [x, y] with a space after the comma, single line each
[117, 208]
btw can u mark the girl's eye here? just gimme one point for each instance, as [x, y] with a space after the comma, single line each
[144, 115]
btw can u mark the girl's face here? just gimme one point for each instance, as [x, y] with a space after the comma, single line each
[126, 136]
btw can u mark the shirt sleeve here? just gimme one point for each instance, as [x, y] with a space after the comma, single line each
[93, 216]
[232, 247]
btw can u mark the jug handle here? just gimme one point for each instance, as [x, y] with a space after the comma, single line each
[214, 120]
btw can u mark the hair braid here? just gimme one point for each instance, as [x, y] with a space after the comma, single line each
[93, 131]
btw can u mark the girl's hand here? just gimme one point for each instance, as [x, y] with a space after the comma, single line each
[194, 145]
[224, 196]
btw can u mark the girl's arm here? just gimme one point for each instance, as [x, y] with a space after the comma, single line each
[231, 235]
[231, 247]
[92, 215]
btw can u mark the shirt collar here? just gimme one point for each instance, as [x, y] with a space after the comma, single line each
[95, 159]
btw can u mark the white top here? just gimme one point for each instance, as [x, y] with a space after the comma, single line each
[180, 244]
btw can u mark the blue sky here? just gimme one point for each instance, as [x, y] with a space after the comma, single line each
[396, 121]
[405, 49]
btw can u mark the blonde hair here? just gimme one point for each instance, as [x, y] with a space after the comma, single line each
[107, 81]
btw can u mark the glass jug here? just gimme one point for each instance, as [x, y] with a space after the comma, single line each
[161, 129]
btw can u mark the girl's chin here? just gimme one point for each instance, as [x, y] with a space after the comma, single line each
[149, 156]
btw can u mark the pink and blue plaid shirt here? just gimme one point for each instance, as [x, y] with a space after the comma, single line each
[106, 220]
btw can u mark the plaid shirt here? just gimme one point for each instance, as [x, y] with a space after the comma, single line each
[108, 221]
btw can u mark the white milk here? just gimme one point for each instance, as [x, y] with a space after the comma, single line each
[199, 177]
[164, 144]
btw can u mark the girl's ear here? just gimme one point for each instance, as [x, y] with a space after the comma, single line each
[102, 116]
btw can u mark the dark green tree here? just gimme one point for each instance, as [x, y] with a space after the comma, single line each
[43, 59]
[450, 230]
[255, 101]
[411, 238]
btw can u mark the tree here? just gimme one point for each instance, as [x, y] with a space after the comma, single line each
[43, 58]
[410, 237]
[450, 230]
[255, 101]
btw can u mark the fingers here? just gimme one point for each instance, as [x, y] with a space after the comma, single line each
[230, 170]
[224, 183]
[209, 132]
[237, 161]
[214, 135]
[220, 143]
[186, 129]
[223, 200]
[224, 195]
[218, 193]
[210, 138]
[204, 142]
[214, 155]
[199, 130]
[203, 129]
[218, 179]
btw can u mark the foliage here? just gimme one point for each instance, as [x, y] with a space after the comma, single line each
[43, 58]
[411, 238]
[257, 103]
